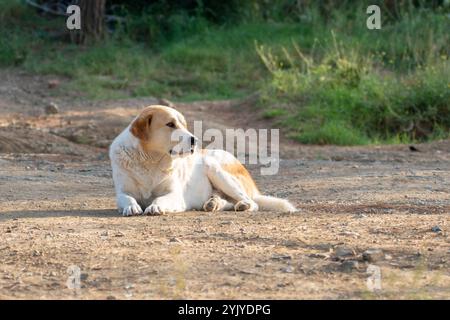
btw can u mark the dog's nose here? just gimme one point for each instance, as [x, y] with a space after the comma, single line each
[193, 141]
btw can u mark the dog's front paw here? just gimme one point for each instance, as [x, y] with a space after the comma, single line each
[132, 210]
[154, 210]
[246, 205]
[212, 205]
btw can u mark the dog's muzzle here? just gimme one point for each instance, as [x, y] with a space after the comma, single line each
[186, 146]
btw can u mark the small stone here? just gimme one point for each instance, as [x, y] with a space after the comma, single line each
[288, 269]
[282, 285]
[52, 108]
[281, 257]
[174, 239]
[323, 246]
[319, 255]
[104, 234]
[436, 229]
[53, 83]
[349, 266]
[349, 233]
[373, 255]
[36, 253]
[128, 286]
[342, 252]
[291, 243]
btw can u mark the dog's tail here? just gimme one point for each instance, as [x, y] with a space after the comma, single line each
[271, 203]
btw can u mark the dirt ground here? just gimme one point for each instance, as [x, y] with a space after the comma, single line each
[58, 216]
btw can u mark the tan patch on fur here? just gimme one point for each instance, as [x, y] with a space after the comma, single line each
[240, 172]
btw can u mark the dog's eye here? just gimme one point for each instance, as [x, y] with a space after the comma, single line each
[171, 125]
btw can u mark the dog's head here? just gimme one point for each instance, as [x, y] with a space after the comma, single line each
[163, 129]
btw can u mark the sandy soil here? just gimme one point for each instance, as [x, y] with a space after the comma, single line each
[58, 215]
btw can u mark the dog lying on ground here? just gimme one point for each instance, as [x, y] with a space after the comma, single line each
[155, 174]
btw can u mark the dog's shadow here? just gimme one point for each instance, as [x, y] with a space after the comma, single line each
[101, 213]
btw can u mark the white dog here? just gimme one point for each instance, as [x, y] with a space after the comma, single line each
[155, 173]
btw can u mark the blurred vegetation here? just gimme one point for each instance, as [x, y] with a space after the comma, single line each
[322, 75]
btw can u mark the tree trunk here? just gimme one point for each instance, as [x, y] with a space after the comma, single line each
[92, 20]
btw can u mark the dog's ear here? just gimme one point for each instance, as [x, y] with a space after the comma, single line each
[140, 127]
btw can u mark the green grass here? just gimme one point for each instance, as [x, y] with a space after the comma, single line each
[217, 64]
[343, 99]
[361, 86]
[324, 80]
[273, 113]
